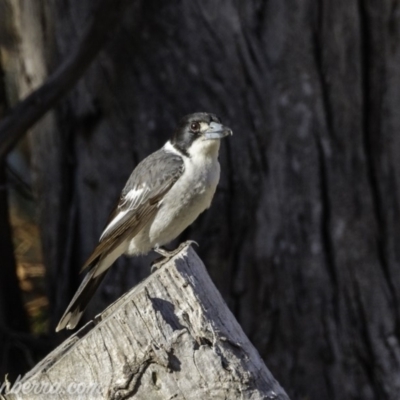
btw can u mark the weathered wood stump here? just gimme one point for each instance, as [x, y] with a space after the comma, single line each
[170, 337]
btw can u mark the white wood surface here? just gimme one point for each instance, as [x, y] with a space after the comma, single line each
[170, 337]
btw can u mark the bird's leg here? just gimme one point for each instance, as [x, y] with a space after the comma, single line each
[167, 255]
[160, 261]
[162, 251]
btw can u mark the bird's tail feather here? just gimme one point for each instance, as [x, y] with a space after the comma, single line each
[80, 301]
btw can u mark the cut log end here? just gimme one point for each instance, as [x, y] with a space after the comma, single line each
[170, 337]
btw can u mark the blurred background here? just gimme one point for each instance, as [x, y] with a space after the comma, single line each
[303, 235]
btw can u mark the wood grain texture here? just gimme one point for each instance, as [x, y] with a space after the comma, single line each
[171, 337]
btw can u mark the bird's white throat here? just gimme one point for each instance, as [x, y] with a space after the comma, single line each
[199, 148]
[205, 148]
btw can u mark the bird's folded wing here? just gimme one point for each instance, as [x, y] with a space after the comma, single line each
[140, 198]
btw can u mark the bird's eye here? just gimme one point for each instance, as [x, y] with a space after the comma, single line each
[195, 126]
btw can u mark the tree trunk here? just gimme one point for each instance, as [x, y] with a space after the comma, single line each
[13, 316]
[302, 235]
[172, 336]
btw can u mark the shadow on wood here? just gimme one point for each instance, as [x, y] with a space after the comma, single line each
[170, 337]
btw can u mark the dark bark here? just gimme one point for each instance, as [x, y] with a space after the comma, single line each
[12, 312]
[302, 235]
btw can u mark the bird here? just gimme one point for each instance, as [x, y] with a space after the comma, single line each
[164, 194]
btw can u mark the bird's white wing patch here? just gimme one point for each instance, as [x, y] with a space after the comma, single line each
[129, 202]
[134, 197]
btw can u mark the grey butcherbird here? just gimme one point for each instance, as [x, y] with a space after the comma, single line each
[165, 193]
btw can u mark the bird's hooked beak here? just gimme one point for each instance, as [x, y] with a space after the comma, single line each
[216, 131]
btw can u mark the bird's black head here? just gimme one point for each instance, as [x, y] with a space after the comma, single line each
[200, 130]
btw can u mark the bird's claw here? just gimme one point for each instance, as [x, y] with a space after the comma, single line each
[157, 264]
[188, 243]
[167, 255]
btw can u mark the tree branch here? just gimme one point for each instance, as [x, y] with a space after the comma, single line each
[30, 110]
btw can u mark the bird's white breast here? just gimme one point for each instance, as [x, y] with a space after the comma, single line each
[189, 196]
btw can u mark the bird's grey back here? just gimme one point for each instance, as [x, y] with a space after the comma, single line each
[155, 170]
